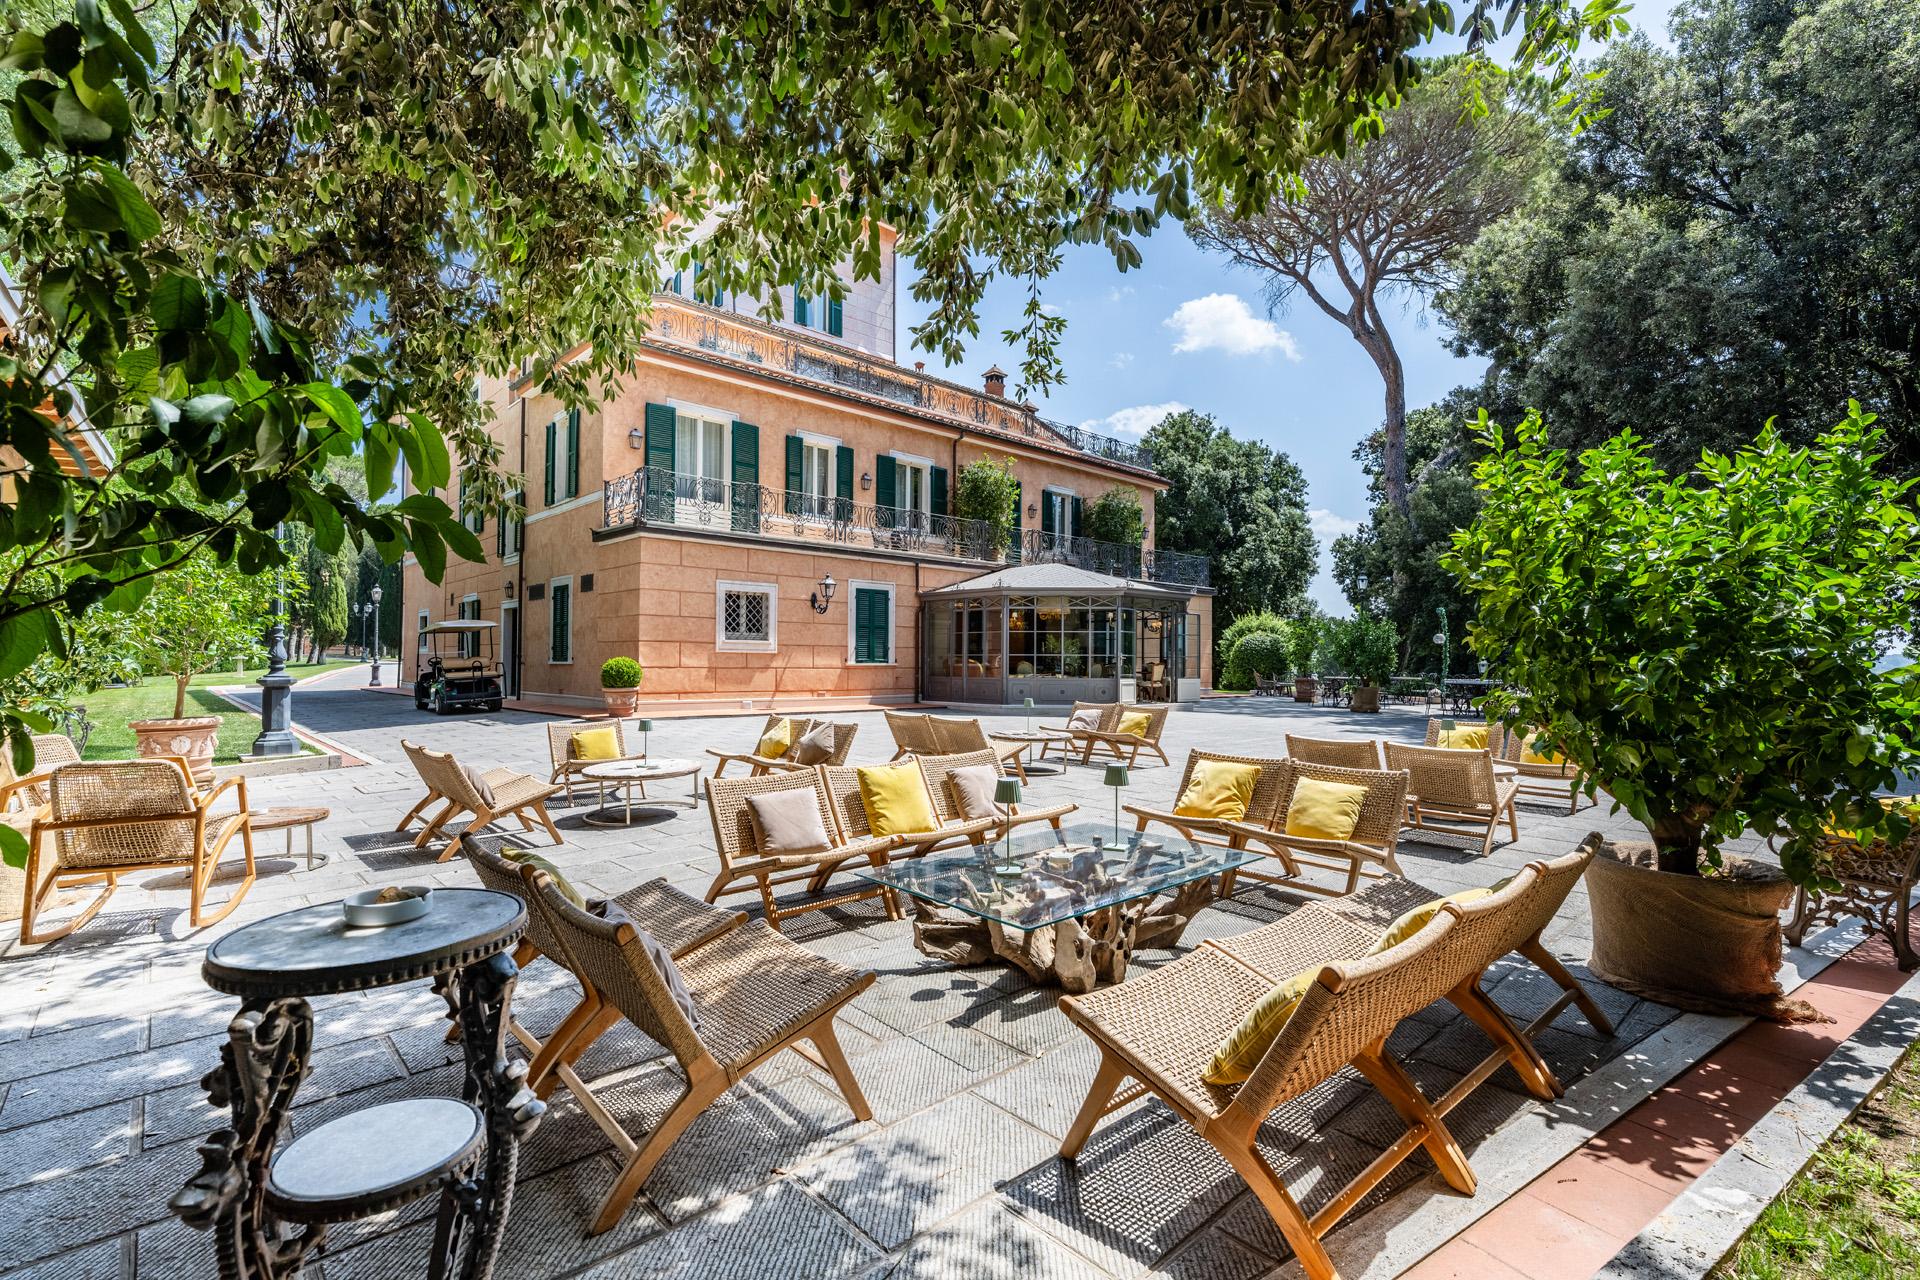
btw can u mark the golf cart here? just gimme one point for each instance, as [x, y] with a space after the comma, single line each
[456, 676]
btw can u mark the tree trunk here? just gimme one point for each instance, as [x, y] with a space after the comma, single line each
[180, 696]
[1373, 338]
[1677, 845]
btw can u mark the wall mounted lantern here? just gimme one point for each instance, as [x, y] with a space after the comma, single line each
[824, 596]
[866, 479]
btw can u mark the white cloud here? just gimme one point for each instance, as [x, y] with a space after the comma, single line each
[1224, 322]
[1327, 526]
[1120, 293]
[1119, 359]
[1134, 421]
[1052, 309]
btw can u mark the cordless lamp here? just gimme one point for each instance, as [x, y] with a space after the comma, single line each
[1116, 778]
[1029, 715]
[645, 727]
[1007, 792]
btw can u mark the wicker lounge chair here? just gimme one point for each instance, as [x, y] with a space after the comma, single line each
[1108, 738]
[106, 819]
[756, 993]
[1369, 851]
[963, 737]
[912, 734]
[850, 811]
[1347, 753]
[1555, 782]
[1266, 791]
[1455, 792]
[510, 794]
[759, 766]
[560, 750]
[679, 921]
[743, 867]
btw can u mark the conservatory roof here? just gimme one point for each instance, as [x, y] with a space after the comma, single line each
[1053, 580]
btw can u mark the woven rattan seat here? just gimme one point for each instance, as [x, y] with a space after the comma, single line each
[510, 794]
[1368, 851]
[566, 766]
[760, 766]
[744, 868]
[850, 811]
[1342, 752]
[912, 734]
[1266, 792]
[1455, 792]
[1538, 780]
[967, 737]
[1107, 738]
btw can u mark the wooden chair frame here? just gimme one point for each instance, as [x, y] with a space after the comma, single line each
[209, 844]
[1345, 753]
[1456, 792]
[953, 737]
[912, 734]
[515, 794]
[1217, 831]
[619, 981]
[1369, 852]
[759, 766]
[1535, 779]
[1124, 747]
[560, 750]
[740, 861]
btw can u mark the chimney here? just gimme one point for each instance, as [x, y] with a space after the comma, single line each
[919, 366]
[996, 381]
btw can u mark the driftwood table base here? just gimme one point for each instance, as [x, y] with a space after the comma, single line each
[1076, 955]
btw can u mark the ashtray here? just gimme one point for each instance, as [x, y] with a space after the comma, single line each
[395, 904]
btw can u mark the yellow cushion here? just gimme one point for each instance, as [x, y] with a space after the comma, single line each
[896, 799]
[774, 742]
[1416, 920]
[596, 744]
[1135, 723]
[1322, 810]
[1529, 756]
[1247, 1043]
[1906, 804]
[1474, 739]
[1219, 789]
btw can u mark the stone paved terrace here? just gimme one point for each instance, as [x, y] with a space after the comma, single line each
[973, 1074]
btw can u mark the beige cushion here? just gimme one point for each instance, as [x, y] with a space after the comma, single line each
[788, 822]
[1088, 719]
[815, 745]
[478, 782]
[973, 789]
[662, 959]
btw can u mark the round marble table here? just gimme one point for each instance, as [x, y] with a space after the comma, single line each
[243, 1194]
[1037, 762]
[628, 774]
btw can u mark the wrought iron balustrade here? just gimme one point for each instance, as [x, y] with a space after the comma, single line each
[655, 497]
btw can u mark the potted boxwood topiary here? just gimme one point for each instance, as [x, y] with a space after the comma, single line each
[1366, 649]
[1304, 635]
[1705, 649]
[620, 684]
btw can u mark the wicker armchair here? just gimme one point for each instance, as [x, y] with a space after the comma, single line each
[1266, 792]
[509, 794]
[850, 811]
[759, 766]
[1876, 882]
[560, 750]
[1108, 738]
[756, 994]
[1455, 792]
[912, 734]
[963, 737]
[1555, 782]
[1346, 753]
[743, 867]
[1367, 852]
[106, 819]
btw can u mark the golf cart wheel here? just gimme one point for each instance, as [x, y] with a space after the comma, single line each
[494, 705]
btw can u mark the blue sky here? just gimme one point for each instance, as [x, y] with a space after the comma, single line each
[1189, 330]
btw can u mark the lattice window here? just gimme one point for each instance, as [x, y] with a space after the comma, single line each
[745, 617]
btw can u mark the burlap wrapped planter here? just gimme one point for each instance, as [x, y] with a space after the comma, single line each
[1366, 697]
[1711, 943]
[1305, 688]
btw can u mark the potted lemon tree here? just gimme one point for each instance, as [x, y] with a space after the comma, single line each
[1706, 648]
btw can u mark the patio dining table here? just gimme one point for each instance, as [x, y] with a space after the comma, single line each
[1463, 690]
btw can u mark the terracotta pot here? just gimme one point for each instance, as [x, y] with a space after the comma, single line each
[622, 703]
[194, 738]
[1305, 688]
[1708, 943]
[1366, 697]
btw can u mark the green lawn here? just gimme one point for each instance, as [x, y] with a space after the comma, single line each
[112, 709]
[1854, 1212]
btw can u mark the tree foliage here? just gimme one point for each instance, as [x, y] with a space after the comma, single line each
[1115, 516]
[1362, 646]
[1234, 672]
[987, 490]
[199, 615]
[1704, 647]
[1258, 653]
[1240, 503]
[1387, 220]
[1731, 243]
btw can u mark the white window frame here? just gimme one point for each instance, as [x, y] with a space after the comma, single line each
[893, 622]
[820, 506]
[711, 488]
[420, 630]
[573, 605]
[721, 643]
[919, 516]
[1063, 518]
[471, 598]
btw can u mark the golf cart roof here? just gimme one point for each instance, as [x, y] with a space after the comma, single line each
[459, 626]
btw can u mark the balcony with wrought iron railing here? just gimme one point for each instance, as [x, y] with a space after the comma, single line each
[654, 498]
[678, 322]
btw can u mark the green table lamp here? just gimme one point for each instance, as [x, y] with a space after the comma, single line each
[645, 727]
[1007, 792]
[1116, 778]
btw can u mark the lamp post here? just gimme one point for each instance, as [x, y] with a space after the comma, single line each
[374, 649]
[276, 686]
[1117, 779]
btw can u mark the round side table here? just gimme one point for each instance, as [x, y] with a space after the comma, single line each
[269, 1209]
[627, 774]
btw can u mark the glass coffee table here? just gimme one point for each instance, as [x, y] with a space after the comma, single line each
[1068, 907]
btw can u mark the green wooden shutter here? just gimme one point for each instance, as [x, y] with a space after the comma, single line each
[1073, 518]
[500, 537]
[746, 476]
[661, 421]
[560, 642]
[843, 484]
[793, 475]
[872, 637]
[833, 316]
[1014, 539]
[801, 311]
[883, 487]
[937, 491]
[573, 453]
[1046, 512]
[553, 427]
[862, 624]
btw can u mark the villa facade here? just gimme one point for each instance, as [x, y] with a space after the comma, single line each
[692, 520]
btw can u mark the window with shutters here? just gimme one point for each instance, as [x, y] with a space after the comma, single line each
[563, 457]
[470, 642]
[746, 617]
[699, 457]
[913, 492]
[833, 317]
[817, 477]
[420, 633]
[560, 618]
[870, 623]
[509, 536]
[1057, 514]
[803, 310]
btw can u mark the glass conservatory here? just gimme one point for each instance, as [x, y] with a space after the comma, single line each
[1057, 634]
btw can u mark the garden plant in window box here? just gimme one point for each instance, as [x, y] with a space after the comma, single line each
[620, 685]
[1706, 649]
